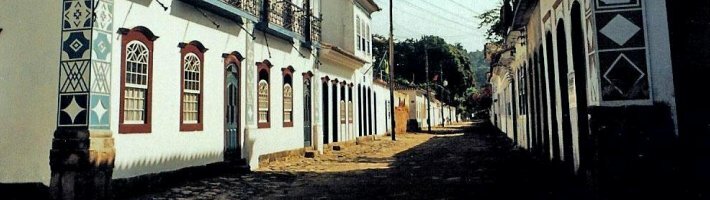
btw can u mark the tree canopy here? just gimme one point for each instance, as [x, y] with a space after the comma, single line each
[450, 62]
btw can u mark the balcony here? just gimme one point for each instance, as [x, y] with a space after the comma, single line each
[287, 15]
[281, 18]
[315, 29]
[253, 7]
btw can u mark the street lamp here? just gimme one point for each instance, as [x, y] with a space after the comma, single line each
[443, 85]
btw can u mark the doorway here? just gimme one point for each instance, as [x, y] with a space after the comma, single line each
[231, 111]
[307, 108]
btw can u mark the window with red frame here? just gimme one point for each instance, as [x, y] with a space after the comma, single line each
[287, 96]
[263, 92]
[136, 80]
[191, 109]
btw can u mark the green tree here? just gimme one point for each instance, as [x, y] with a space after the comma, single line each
[492, 21]
[479, 67]
[450, 60]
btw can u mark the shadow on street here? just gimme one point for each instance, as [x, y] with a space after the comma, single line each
[472, 161]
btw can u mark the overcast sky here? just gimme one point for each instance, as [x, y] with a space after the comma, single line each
[453, 20]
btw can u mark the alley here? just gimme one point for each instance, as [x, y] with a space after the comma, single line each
[465, 161]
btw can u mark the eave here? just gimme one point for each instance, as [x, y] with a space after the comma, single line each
[222, 9]
[521, 13]
[369, 5]
[337, 55]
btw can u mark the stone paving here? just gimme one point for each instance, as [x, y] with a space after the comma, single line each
[463, 161]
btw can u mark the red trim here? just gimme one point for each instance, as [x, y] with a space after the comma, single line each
[547, 16]
[287, 71]
[265, 65]
[230, 58]
[557, 3]
[307, 75]
[199, 50]
[139, 34]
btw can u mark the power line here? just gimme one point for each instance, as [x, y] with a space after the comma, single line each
[407, 32]
[422, 17]
[437, 15]
[449, 25]
[442, 9]
[429, 19]
[465, 8]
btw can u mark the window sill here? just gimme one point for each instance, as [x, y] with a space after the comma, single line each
[288, 124]
[134, 128]
[191, 127]
[264, 125]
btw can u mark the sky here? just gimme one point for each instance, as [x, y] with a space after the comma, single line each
[453, 20]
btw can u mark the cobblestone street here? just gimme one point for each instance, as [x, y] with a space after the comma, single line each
[465, 161]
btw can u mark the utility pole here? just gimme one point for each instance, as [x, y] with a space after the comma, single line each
[391, 73]
[428, 95]
[441, 76]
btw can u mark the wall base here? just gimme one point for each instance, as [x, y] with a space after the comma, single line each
[630, 151]
[82, 164]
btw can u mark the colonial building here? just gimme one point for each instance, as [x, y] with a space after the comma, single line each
[597, 85]
[351, 105]
[424, 112]
[126, 88]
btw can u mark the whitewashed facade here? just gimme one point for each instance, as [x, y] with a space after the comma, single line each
[146, 87]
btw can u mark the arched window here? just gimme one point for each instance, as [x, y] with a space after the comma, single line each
[263, 101]
[192, 86]
[343, 105]
[350, 103]
[287, 96]
[136, 80]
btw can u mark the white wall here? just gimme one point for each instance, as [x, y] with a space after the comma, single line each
[380, 118]
[29, 50]
[660, 56]
[166, 147]
[338, 23]
[366, 20]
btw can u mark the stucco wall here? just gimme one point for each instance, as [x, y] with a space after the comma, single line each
[338, 23]
[277, 137]
[30, 50]
[166, 147]
[380, 98]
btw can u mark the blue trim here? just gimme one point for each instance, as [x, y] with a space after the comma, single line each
[310, 44]
[276, 30]
[223, 9]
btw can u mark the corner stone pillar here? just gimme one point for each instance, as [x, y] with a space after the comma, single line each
[83, 152]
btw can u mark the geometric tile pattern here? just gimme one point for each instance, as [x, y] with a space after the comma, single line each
[77, 15]
[101, 46]
[72, 109]
[611, 4]
[104, 16]
[619, 30]
[99, 115]
[623, 75]
[85, 64]
[76, 44]
[623, 29]
[100, 74]
[621, 50]
[74, 76]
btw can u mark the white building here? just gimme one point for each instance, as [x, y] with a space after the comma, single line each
[144, 87]
[350, 104]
